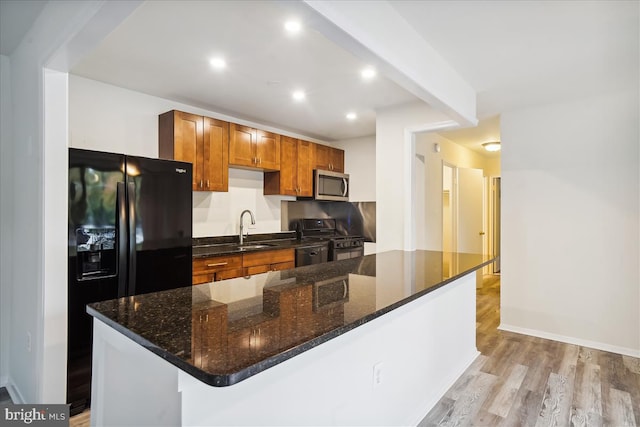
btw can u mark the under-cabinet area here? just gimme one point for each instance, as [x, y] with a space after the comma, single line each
[214, 145]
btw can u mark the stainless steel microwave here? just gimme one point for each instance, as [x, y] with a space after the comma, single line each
[330, 185]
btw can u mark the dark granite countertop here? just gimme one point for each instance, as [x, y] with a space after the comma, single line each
[224, 332]
[228, 245]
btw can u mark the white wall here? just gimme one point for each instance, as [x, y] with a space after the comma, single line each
[33, 349]
[570, 223]
[25, 271]
[395, 183]
[55, 210]
[428, 171]
[109, 118]
[6, 215]
[360, 164]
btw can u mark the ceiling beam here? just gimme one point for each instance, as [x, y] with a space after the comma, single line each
[375, 32]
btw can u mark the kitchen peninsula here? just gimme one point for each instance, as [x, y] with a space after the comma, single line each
[373, 340]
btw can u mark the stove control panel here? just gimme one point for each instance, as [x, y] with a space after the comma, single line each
[348, 243]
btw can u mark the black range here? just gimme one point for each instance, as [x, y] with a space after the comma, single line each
[326, 243]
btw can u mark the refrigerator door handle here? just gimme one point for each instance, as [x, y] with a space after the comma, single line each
[131, 201]
[121, 206]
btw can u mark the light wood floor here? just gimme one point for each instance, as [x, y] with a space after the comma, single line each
[81, 420]
[520, 380]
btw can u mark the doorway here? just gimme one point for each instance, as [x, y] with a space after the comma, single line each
[448, 218]
[494, 229]
[462, 213]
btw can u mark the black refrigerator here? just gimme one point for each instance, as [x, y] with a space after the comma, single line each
[129, 233]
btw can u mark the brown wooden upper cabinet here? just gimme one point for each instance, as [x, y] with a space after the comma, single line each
[295, 178]
[253, 148]
[329, 158]
[199, 140]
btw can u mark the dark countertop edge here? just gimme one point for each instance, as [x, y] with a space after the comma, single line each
[224, 380]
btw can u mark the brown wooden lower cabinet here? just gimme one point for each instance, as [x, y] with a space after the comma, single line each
[211, 269]
[214, 268]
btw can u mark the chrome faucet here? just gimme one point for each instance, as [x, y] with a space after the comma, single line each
[253, 222]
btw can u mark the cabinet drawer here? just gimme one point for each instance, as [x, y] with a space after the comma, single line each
[268, 257]
[228, 274]
[256, 269]
[283, 266]
[198, 279]
[218, 263]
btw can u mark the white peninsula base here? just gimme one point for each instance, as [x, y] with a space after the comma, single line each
[389, 371]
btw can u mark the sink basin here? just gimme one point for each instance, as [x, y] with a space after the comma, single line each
[253, 246]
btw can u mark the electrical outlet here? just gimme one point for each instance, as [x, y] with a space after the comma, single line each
[29, 342]
[378, 374]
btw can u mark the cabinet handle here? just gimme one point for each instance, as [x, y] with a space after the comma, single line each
[207, 183]
[217, 264]
[200, 183]
[260, 160]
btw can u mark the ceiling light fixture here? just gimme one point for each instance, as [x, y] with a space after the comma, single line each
[218, 63]
[492, 146]
[292, 27]
[298, 95]
[368, 73]
[351, 116]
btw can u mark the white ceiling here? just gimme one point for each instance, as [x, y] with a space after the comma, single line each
[164, 48]
[522, 53]
[514, 54]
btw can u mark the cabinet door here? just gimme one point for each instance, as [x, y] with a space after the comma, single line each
[322, 157]
[268, 150]
[336, 159]
[215, 155]
[181, 138]
[288, 166]
[304, 174]
[242, 145]
[329, 158]
[266, 258]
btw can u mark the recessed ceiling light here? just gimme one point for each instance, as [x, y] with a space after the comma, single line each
[218, 63]
[298, 95]
[352, 116]
[292, 27]
[368, 73]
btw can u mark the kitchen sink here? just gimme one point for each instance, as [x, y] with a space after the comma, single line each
[252, 246]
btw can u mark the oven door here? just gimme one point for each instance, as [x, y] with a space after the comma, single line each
[347, 253]
[312, 254]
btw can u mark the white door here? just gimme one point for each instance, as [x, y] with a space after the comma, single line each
[470, 209]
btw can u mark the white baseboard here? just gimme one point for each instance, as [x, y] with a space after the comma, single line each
[571, 340]
[15, 394]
